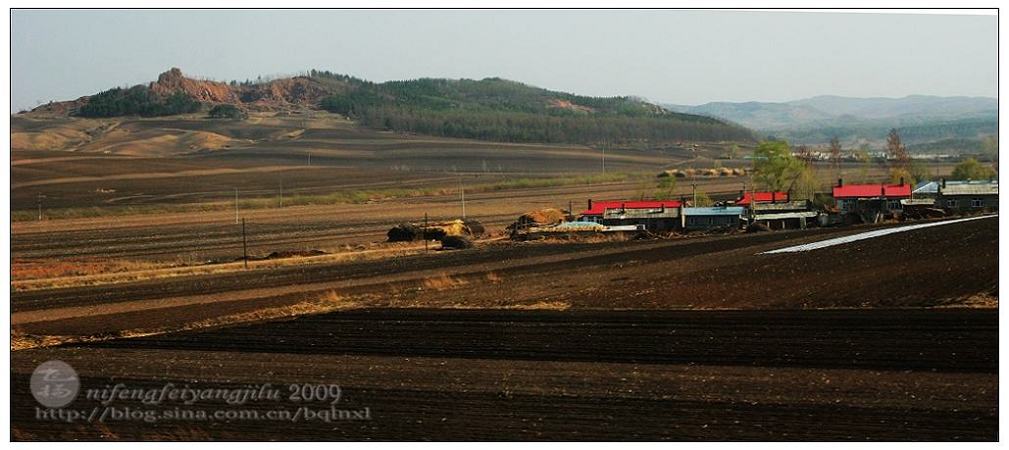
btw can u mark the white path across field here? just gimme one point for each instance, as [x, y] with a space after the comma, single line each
[869, 235]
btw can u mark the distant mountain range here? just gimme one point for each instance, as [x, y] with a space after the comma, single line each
[921, 119]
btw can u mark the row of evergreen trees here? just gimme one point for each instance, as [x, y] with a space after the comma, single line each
[527, 127]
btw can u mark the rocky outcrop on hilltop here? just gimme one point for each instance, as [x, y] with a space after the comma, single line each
[275, 95]
[200, 90]
[300, 91]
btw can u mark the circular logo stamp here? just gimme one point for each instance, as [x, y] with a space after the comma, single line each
[55, 384]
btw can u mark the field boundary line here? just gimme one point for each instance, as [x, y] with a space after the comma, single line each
[868, 235]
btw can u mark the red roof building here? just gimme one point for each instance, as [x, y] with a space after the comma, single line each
[598, 208]
[762, 197]
[888, 191]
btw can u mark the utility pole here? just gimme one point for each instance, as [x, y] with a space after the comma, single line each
[423, 233]
[281, 192]
[604, 159]
[693, 192]
[40, 206]
[462, 196]
[753, 200]
[245, 248]
[236, 205]
[310, 159]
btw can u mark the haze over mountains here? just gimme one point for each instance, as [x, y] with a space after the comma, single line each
[925, 122]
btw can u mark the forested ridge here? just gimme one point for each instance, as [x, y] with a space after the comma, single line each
[488, 109]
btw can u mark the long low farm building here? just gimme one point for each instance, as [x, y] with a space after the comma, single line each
[710, 218]
[871, 202]
[777, 210]
[960, 195]
[652, 215]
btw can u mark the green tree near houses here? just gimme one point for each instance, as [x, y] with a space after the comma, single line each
[666, 188]
[774, 165]
[971, 169]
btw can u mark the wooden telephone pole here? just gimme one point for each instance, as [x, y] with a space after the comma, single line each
[462, 196]
[245, 247]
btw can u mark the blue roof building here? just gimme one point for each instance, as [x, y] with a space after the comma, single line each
[707, 218]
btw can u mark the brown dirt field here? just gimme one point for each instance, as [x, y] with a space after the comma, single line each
[691, 273]
[483, 375]
[572, 341]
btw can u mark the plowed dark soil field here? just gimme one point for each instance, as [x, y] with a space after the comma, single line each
[449, 374]
[692, 338]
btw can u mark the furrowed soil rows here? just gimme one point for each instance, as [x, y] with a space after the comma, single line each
[577, 375]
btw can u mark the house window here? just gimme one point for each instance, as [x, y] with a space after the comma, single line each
[951, 203]
[976, 203]
[893, 204]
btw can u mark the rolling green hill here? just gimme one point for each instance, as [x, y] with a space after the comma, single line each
[502, 110]
[489, 109]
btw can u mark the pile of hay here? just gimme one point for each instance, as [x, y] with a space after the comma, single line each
[435, 231]
[538, 218]
[719, 172]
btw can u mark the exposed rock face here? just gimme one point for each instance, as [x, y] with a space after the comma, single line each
[203, 91]
[269, 96]
[301, 91]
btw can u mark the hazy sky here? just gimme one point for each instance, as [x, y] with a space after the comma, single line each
[686, 57]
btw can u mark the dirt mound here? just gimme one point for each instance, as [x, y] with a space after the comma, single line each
[403, 232]
[434, 231]
[475, 227]
[456, 242]
[541, 217]
[538, 218]
[295, 253]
